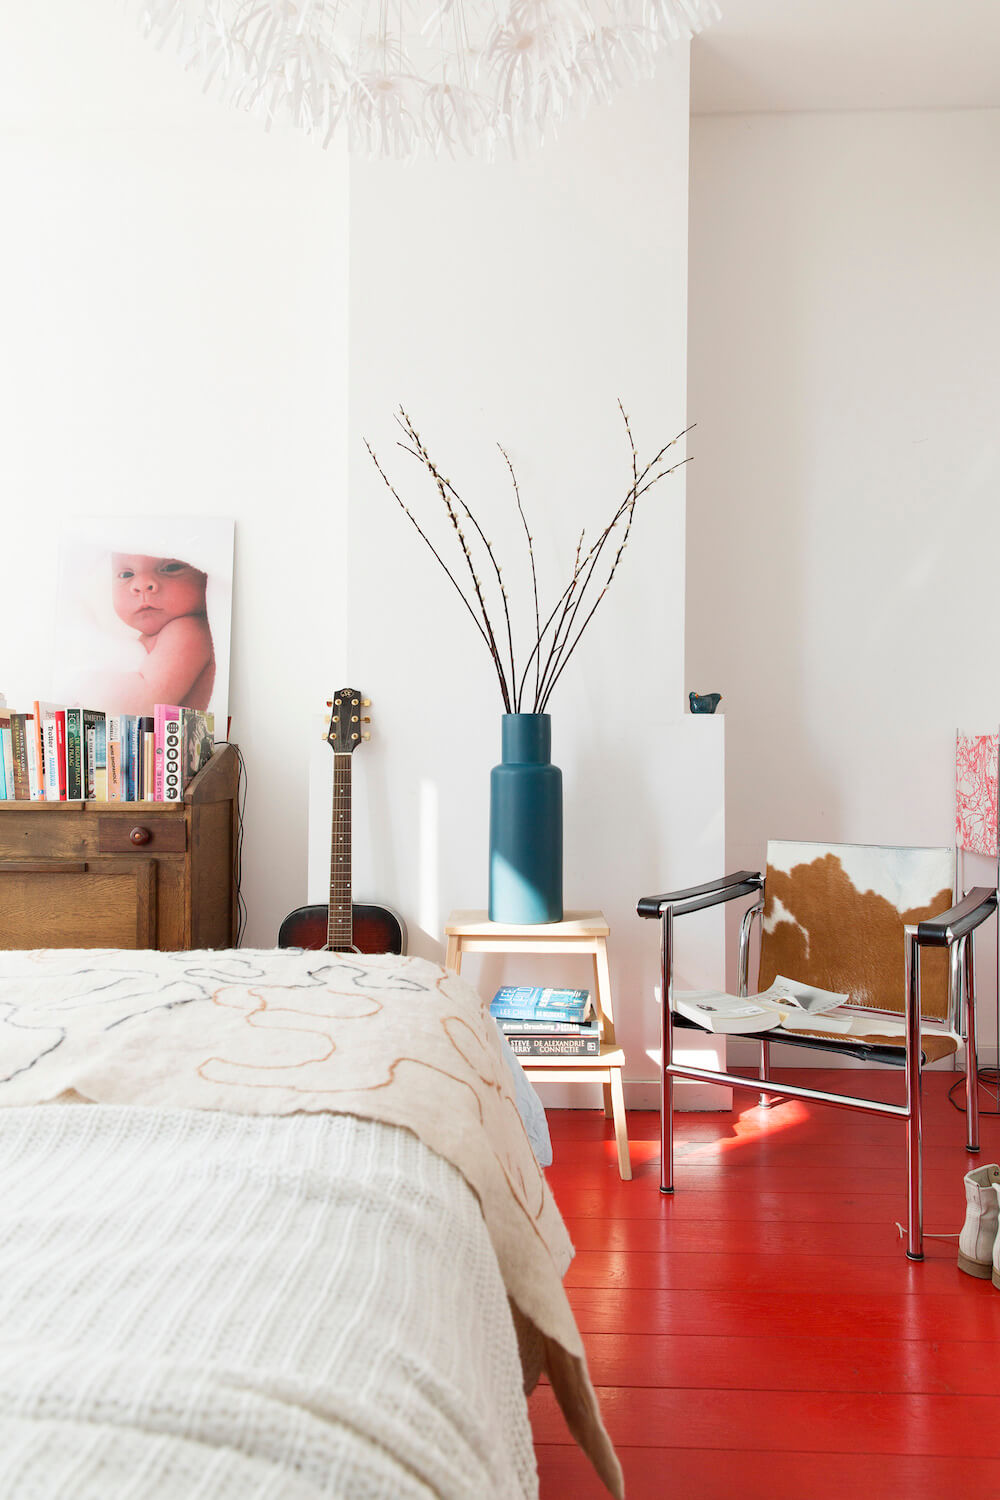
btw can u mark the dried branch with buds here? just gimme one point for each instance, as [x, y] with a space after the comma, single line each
[555, 640]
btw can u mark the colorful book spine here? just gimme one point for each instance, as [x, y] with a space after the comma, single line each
[147, 736]
[74, 754]
[126, 737]
[528, 994]
[548, 1027]
[196, 741]
[19, 752]
[6, 755]
[50, 757]
[551, 1046]
[33, 727]
[525, 1003]
[61, 768]
[167, 783]
[134, 759]
[115, 783]
[7, 749]
[95, 732]
[89, 756]
[537, 1013]
[35, 772]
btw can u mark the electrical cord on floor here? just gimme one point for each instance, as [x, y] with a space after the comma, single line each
[989, 1079]
[928, 1236]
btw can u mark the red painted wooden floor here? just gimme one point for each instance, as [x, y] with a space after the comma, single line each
[761, 1333]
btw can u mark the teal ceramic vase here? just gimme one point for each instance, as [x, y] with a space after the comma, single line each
[526, 825]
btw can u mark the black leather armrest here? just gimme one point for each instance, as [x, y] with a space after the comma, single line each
[696, 897]
[942, 931]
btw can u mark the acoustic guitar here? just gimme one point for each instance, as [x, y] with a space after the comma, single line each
[344, 926]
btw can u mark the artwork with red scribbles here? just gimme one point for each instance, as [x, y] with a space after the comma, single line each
[976, 774]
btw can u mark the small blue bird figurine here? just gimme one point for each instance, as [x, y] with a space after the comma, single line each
[704, 703]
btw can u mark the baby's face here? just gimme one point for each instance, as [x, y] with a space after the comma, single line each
[148, 592]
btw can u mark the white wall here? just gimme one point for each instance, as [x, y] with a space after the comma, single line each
[517, 303]
[175, 313]
[843, 525]
[173, 293]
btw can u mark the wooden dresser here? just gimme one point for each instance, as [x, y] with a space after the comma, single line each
[124, 874]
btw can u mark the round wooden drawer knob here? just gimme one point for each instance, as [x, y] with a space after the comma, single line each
[140, 835]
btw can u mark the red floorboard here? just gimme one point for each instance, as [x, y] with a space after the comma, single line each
[872, 1275]
[710, 1474]
[761, 1333]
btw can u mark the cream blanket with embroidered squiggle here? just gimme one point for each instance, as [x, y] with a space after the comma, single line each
[399, 1040]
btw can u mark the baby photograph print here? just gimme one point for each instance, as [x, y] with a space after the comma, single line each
[144, 612]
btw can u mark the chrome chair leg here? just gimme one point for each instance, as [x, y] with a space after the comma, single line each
[666, 1052]
[914, 1102]
[667, 1134]
[764, 1073]
[971, 1058]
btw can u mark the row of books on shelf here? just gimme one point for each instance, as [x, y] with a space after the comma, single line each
[57, 754]
[547, 1022]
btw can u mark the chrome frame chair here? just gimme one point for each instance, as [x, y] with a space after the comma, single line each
[953, 929]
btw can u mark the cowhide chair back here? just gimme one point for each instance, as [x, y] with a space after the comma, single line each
[834, 916]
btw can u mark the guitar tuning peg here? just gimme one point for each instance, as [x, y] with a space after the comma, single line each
[329, 702]
[366, 735]
[366, 719]
[366, 703]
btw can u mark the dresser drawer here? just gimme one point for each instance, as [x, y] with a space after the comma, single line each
[135, 834]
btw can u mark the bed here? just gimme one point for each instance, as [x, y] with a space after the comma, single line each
[272, 1226]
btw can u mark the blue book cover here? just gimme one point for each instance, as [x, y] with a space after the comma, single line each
[531, 1003]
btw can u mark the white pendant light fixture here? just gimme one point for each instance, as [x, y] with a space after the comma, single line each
[398, 77]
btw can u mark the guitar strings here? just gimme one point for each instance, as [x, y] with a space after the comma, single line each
[339, 885]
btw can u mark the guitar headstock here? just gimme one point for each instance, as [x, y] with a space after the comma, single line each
[346, 728]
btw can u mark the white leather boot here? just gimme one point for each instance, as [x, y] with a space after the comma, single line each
[977, 1243]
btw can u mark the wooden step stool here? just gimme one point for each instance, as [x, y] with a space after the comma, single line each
[578, 932]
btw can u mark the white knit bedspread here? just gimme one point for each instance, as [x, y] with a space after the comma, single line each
[198, 1305]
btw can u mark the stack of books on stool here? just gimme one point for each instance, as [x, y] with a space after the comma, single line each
[547, 1022]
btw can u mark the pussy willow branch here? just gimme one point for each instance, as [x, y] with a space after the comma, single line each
[454, 582]
[446, 488]
[445, 491]
[587, 619]
[565, 613]
[564, 599]
[534, 581]
[561, 650]
[569, 615]
[577, 584]
[589, 562]
[566, 650]
[562, 620]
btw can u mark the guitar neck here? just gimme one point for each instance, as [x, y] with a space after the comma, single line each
[340, 928]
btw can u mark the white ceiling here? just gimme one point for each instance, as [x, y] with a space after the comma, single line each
[848, 54]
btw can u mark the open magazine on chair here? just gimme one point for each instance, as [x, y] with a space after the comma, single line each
[785, 1002]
